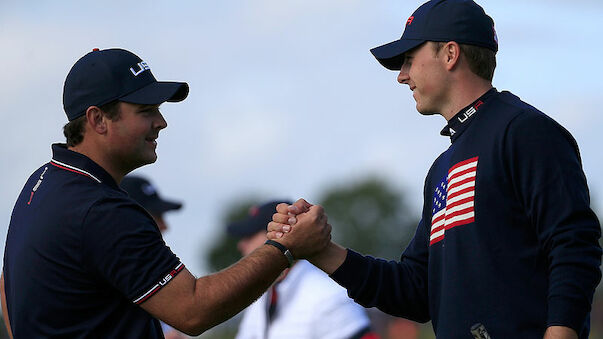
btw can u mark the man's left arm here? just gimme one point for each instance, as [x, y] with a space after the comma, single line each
[547, 173]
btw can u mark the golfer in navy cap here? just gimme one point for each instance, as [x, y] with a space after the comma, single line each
[507, 246]
[82, 258]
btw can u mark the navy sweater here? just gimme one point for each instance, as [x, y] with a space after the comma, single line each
[507, 237]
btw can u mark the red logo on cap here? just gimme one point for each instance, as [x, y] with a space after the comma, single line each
[254, 211]
[410, 19]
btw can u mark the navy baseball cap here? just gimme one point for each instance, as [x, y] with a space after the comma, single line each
[102, 76]
[462, 21]
[144, 193]
[258, 219]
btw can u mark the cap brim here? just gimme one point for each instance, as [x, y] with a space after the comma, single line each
[391, 55]
[158, 92]
[161, 206]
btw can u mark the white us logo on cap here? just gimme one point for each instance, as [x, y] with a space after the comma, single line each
[142, 66]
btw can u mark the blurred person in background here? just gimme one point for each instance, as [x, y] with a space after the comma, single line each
[146, 194]
[303, 302]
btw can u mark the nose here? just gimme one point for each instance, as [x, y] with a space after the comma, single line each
[403, 75]
[160, 122]
[161, 224]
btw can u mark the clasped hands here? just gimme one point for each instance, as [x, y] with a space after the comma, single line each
[301, 227]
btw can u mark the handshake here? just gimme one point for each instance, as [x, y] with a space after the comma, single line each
[304, 229]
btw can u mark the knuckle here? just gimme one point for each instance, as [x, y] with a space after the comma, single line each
[277, 217]
[282, 207]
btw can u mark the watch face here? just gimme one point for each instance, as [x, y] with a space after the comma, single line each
[290, 257]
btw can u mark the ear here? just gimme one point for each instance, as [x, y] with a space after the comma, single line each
[96, 120]
[451, 52]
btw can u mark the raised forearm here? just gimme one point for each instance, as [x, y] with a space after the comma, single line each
[227, 292]
[330, 258]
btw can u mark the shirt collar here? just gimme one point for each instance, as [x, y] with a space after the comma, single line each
[461, 120]
[78, 163]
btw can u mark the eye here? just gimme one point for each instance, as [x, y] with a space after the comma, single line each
[406, 64]
[149, 111]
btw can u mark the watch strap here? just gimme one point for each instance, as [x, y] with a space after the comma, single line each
[283, 250]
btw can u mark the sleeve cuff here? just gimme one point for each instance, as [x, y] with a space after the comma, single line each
[344, 275]
[568, 313]
[149, 293]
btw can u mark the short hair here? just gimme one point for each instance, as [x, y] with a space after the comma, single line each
[481, 60]
[74, 130]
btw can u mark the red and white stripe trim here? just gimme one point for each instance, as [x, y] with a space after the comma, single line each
[73, 169]
[159, 285]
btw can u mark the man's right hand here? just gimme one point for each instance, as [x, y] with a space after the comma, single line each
[285, 217]
[304, 229]
[301, 227]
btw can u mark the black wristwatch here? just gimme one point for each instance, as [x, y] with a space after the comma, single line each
[283, 249]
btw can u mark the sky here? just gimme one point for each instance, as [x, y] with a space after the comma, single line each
[285, 98]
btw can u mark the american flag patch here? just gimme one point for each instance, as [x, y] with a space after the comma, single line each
[453, 199]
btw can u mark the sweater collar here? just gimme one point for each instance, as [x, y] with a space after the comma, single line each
[457, 125]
